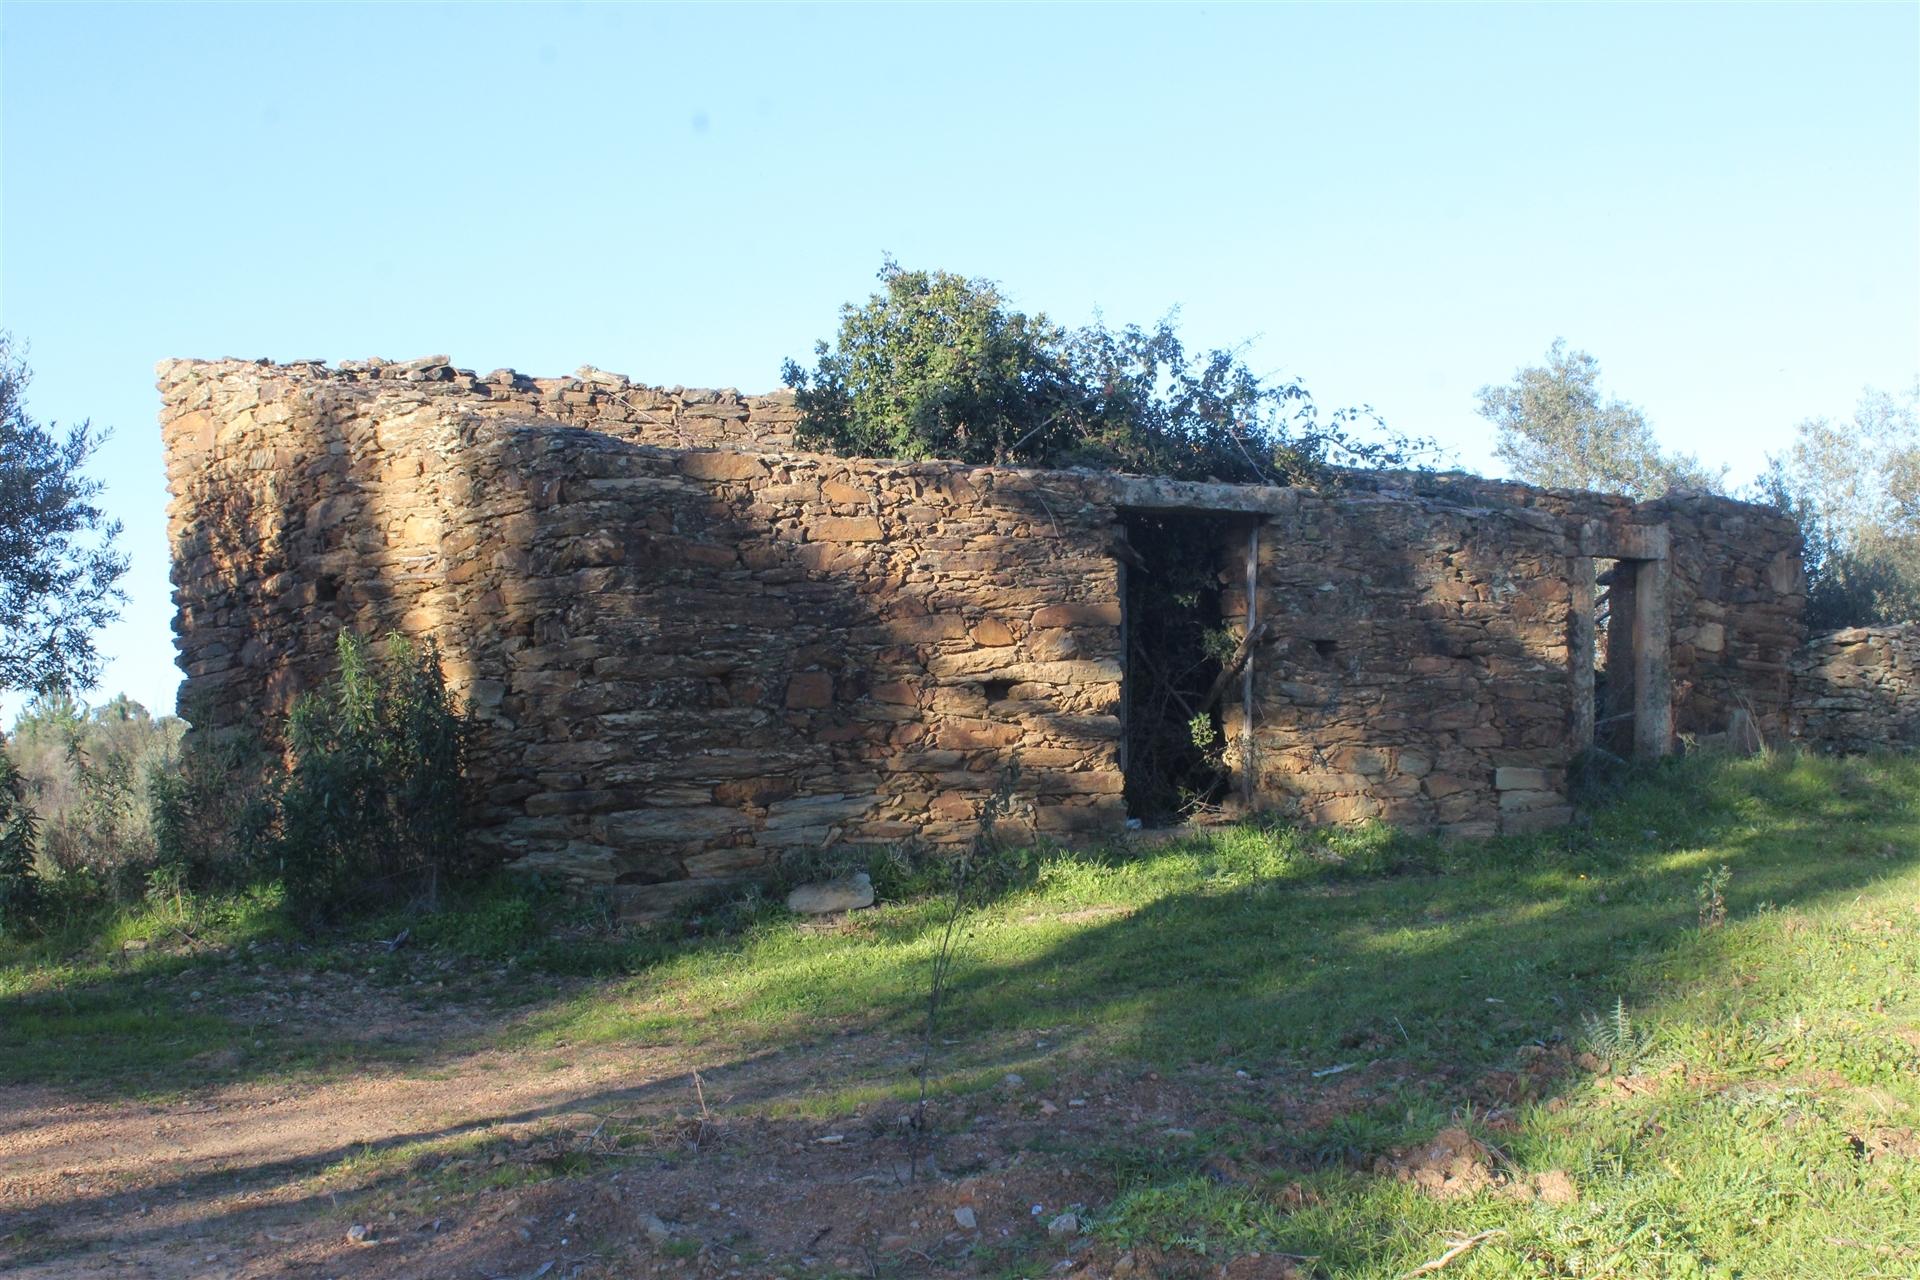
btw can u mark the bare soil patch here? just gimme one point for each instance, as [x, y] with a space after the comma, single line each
[609, 1161]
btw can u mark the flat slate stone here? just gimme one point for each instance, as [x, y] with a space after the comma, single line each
[843, 893]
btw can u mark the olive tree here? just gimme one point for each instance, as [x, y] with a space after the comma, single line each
[1854, 488]
[1557, 428]
[59, 567]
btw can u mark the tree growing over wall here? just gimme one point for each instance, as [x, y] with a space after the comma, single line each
[938, 365]
[1558, 429]
[59, 568]
[1854, 489]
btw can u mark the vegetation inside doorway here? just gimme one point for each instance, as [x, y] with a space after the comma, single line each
[1180, 656]
[1613, 679]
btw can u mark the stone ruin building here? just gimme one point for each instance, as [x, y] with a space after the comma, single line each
[693, 648]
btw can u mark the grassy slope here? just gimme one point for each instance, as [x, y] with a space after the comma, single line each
[1776, 1046]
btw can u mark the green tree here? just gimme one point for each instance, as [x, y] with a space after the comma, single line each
[937, 366]
[1556, 428]
[1854, 488]
[59, 568]
[941, 366]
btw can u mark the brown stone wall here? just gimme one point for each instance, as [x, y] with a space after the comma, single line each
[693, 648]
[1416, 668]
[1737, 601]
[1736, 594]
[686, 661]
[1859, 690]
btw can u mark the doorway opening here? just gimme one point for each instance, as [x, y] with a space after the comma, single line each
[1182, 626]
[1612, 656]
[1623, 695]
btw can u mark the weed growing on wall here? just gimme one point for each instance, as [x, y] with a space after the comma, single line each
[374, 804]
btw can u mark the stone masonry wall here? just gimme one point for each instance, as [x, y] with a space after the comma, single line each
[694, 649]
[686, 661]
[1417, 666]
[1735, 599]
[1859, 690]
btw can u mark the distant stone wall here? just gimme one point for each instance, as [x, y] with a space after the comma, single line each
[1738, 600]
[1859, 690]
[693, 648]
[1735, 597]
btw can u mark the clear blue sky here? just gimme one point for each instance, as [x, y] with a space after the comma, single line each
[1397, 204]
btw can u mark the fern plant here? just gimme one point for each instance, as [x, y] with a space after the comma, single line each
[1613, 1037]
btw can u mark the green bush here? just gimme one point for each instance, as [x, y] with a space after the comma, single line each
[214, 809]
[939, 366]
[85, 771]
[19, 878]
[375, 796]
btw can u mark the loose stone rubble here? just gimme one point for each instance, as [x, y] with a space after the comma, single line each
[693, 648]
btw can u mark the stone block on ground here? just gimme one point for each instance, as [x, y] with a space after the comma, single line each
[823, 897]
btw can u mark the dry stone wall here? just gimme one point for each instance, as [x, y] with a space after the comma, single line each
[695, 649]
[1859, 690]
[1735, 596]
[687, 661]
[1417, 667]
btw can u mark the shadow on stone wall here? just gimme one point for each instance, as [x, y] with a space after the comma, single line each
[685, 664]
[1858, 690]
[1417, 667]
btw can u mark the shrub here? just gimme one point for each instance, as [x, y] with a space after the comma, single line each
[214, 809]
[19, 878]
[374, 802]
[85, 771]
[939, 366]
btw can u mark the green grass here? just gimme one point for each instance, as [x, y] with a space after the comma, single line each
[1278, 950]
[117, 998]
[1767, 1051]
[1784, 1035]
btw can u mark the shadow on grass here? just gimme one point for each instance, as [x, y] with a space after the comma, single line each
[1236, 954]
[1258, 951]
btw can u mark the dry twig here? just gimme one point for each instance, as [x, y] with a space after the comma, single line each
[1459, 1247]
